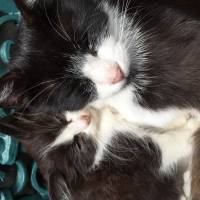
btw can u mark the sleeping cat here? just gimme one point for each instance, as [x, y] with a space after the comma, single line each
[141, 54]
[97, 154]
[140, 57]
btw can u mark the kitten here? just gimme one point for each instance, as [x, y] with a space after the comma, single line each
[103, 156]
[139, 57]
[72, 53]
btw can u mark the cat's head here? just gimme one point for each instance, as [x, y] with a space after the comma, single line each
[64, 146]
[69, 53]
[60, 165]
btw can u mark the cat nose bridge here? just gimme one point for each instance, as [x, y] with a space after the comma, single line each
[103, 71]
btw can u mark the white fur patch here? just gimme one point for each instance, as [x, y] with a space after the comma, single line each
[127, 34]
[7, 90]
[187, 184]
[67, 135]
[128, 107]
[124, 44]
[175, 144]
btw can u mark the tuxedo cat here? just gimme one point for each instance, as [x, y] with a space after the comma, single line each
[97, 154]
[142, 54]
[140, 57]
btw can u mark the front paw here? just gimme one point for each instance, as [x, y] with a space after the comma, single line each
[180, 121]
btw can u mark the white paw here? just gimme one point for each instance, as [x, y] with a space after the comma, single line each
[180, 121]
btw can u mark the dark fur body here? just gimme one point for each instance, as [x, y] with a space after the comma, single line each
[41, 60]
[129, 171]
[42, 83]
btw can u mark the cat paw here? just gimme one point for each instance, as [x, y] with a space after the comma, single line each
[180, 121]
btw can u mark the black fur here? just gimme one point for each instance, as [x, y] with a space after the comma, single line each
[42, 61]
[43, 82]
[129, 170]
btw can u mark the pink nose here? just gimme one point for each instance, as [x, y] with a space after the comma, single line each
[115, 74]
[118, 75]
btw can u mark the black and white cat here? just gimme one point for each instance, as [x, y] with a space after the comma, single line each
[144, 55]
[99, 155]
[140, 57]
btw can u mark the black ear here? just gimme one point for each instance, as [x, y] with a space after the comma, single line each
[30, 9]
[10, 90]
[57, 186]
[27, 8]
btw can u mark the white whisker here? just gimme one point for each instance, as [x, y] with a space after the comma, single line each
[52, 25]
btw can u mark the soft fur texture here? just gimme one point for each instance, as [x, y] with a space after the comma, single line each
[131, 165]
[66, 50]
[155, 43]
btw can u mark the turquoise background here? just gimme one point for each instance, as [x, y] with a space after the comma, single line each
[24, 184]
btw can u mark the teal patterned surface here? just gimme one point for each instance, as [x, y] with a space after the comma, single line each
[8, 6]
[19, 179]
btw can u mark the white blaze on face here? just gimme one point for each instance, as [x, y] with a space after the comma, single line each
[122, 45]
[114, 50]
[108, 69]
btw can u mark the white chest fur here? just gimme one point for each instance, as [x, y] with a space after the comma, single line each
[175, 143]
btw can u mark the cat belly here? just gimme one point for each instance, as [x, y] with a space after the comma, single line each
[174, 146]
[175, 142]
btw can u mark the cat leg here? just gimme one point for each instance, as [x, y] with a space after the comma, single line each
[186, 186]
[180, 121]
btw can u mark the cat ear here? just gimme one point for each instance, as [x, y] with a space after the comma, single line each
[10, 85]
[27, 8]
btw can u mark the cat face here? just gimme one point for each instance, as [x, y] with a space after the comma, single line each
[70, 53]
